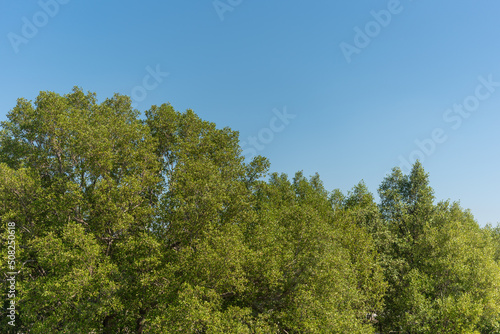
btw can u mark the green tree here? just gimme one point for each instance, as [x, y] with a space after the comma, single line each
[439, 265]
[158, 225]
[79, 179]
[201, 217]
[310, 271]
[494, 234]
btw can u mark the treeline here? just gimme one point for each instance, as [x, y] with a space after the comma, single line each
[158, 225]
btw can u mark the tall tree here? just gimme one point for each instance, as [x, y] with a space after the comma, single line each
[312, 271]
[158, 225]
[439, 266]
[87, 175]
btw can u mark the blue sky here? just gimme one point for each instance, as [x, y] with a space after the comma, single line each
[366, 85]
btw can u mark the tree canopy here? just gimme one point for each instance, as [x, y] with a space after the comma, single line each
[157, 224]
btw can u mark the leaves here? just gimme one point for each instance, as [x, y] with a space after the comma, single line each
[158, 225]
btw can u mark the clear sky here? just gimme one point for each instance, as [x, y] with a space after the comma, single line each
[348, 89]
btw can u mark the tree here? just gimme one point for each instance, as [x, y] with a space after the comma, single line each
[494, 234]
[255, 252]
[201, 218]
[439, 265]
[158, 225]
[310, 271]
[79, 181]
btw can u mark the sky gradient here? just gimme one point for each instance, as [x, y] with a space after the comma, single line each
[348, 90]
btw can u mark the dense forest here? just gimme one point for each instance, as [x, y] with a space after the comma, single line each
[119, 222]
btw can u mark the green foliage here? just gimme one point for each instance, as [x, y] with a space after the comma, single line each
[494, 234]
[159, 226]
[438, 262]
[298, 246]
[75, 170]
